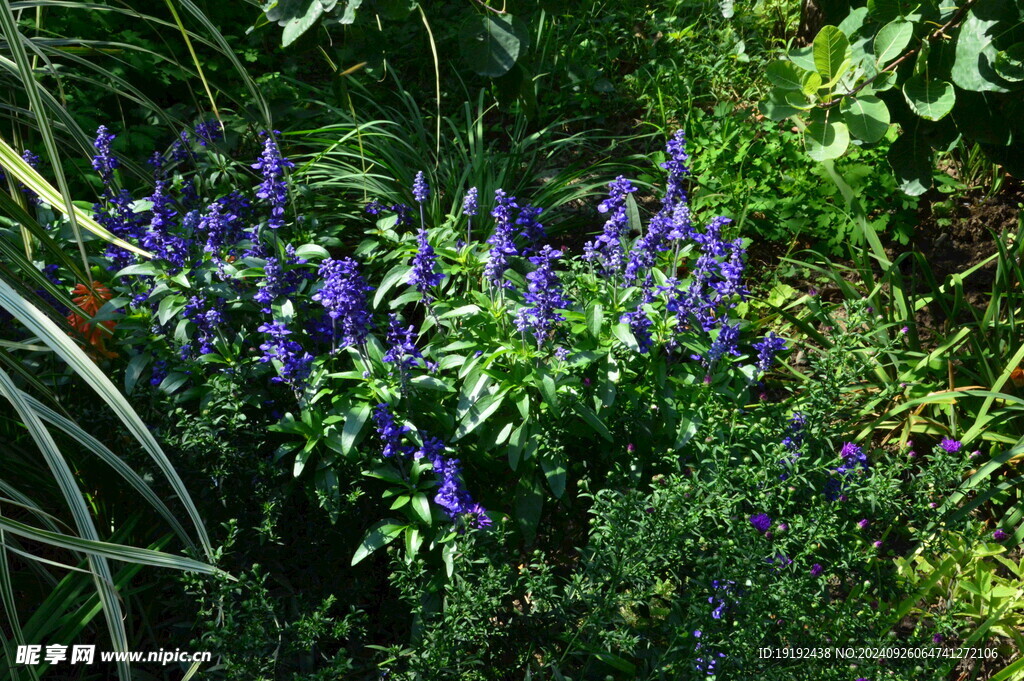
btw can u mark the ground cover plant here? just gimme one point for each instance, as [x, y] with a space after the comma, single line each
[442, 383]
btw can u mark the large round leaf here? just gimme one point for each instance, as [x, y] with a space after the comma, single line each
[911, 161]
[826, 137]
[929, 98]
[891, 40]
[974, 63]
[785, 75]
[867, 117]
[491, 45]
[1009, 63]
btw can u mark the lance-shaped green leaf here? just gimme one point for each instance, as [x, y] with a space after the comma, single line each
[378, 536]
[929, 98]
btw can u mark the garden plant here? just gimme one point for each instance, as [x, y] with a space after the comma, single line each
[569, 341]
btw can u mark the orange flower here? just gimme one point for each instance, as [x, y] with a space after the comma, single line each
[90, 302]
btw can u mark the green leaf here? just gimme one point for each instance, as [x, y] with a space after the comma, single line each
[548, 390]
[529, 503]
[633, 215]
[803, 57]
[687, 429]
[554, 471]
[831, 52]
[826, 137]
[1009, 63]
[593, 420]
[431, 383]
[775, 107]
[355, 420]
[169, 307]
[811, 83]
[891, 40]
[974, 59]
[395, 274]
[413, 542]
[911, 160]
[866, 117]
[786, 75]
[477, 414]
[381, 534]
[299, 20]
[490, 44]
[928, 98]
[595, 319]
[421, 506]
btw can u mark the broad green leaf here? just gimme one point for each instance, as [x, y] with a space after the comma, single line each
[687, 429]
[421, 505]
[379, 535]
[549, 391]
[169, 307]
[490, 44]
[930, 99]
[776, 108]
[803, 57]
[786, 75]
[891, 40]
[355, 421]
[854, 21]
[831, 51]
[554, 471]
[301, 20]
[431, 383]
[911, 160]
[974, 60]
[866, 117]
[811, 83]
[477, 414]
[593, 420]
[394, 276]
[1009, 63]
[826, 137]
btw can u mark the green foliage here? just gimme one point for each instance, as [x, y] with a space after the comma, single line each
[938, 71]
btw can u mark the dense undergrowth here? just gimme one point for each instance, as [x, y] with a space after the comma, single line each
[448, 361]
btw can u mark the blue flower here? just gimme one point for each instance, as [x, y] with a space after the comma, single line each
[402, 349]
[469, 203]
[420, 190]
[273, 189]
[294, 364]
[104, 162]
[606, 249]
[425, 273]
[544, 295]
[208, 131]
[767, 349]
[761, 522]
[390, 432]
[343, 295]
[502, 240]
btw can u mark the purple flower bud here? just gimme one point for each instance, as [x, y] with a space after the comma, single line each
[999, 535]
[816, 569]
[863, 524]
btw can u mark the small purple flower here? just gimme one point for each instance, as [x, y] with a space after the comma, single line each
[425, 273]
[273, 189]
[420, 189]
[208, 131]
[390, 432]
[878, 544]
[343, 295]
[767, 349]
[294, 364]
[469, 203]
[561, 353]
[816, 569]
[402, 345]
[544, 295]
[761, 522]
[999, 535]
[937, 639]
[606, 249]
[104, 162]
[863, 524]
[950, 446]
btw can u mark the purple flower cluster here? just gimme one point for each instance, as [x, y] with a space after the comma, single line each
[606, 249]
[451, 493]
[401, 211]
[425, 273]
[294, 364]
[470, 206]
[273, 189]
[767, 349]
[950, 446]
[722, 588]
[280, 279]
[343, 295]
[530, 228]
[761, 522]
[391, 434]
[402, 349]
[544, 295]
[115, 213]
[640, 323]
[208, 132]
[207, 319]
[160, 238]
[502, 241]
[853, 457]
[420, 189]
[706, 664]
